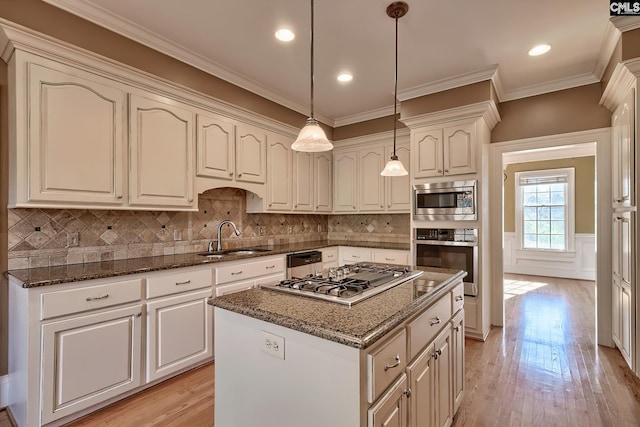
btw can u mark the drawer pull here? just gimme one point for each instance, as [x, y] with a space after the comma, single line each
[435, 322]
[459, 298]
[233, 273]
[395, 364]
[186, 282]
[355, 256]
[389, 259]
[269, 267]
[105, 296]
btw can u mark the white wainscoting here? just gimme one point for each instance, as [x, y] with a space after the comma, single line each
[580, 264]
[4, 391]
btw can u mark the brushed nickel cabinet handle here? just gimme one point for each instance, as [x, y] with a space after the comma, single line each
[183, 283]
[436, 321]
[459, 298]
[105, 296]
[394, 364]
[439, 170]
[233, 273]
[230, 173]
[389, 259]
[268, 267]
[446, 170]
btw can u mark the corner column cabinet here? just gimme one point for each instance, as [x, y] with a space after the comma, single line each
[161, 134]
[622, 264]
[623, 152]
[444, 150]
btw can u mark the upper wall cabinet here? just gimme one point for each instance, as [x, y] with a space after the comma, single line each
[67, 136]
[323, 181]
[345, 169]
[444, 150]
[398, 189]
[279, 173]
[623, 131]
[312, 182]
[161, 152]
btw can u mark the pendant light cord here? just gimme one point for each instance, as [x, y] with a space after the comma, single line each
[312, 59]
[395, 95]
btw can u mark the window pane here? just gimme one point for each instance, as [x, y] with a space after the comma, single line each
[557, 242]
[530, 227]
[543, 198]
[557, 227]
[543, 187]
[528, 189]
[557, 198]
[557, 187]
[544, 213]
[544, 227]
[530, 199]
[557, 213]
[530, 241]
[543, 241]
[529, 214]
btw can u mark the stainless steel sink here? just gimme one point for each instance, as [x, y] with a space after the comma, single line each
[231, 252]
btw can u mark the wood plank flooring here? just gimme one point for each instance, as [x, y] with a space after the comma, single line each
[542, 369]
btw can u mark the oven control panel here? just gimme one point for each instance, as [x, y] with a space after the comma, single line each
[469, 235]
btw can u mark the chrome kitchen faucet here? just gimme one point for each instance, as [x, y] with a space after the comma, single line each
[219, 244]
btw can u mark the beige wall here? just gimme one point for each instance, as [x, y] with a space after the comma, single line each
[631, 44]
[465, 95]
[4, 174]
[585, 168]
[553, 113]
[367, 127]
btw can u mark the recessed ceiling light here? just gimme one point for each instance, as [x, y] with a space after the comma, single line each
[540, 49]
[285, 35]
[345, 77]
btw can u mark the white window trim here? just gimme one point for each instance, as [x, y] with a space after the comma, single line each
[570, 215]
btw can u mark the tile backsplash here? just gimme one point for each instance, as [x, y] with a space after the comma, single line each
[49, 237]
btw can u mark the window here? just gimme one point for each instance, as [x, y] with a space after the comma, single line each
[545, 209]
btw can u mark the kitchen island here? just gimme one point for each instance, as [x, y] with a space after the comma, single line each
[393, 359]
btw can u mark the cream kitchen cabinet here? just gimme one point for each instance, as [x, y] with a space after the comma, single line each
[345, 169]
[350, 254]
[457, 359]
[392, 409]
[69, 137]
[622, 262]
[389, 256]
[398, 188]
[161, 141]
[179, 331]
[312, 182]
[623, 153]
[330, 259]
[444, 150]
[235, 276]
[370, 183]
[279, 173]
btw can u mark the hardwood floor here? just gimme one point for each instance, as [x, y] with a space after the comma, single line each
[542, 369]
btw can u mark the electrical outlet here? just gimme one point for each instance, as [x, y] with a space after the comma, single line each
[290, 229]
[273, 344]
[72, 239]
[177, 235]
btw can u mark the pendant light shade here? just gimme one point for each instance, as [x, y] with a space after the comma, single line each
[394, 167]
[311, 137]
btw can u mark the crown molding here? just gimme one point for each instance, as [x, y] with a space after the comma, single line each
[118, 25]
[607, 47]
[626, 23]
[486, 110]
[402, 136]
[552, 86]
[464, 79]
[551, 153]
[624, 77]
[367, 115]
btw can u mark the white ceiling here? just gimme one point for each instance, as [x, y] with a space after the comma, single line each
[442, 45]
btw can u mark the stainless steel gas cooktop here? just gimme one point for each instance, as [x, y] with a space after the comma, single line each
[349, 284]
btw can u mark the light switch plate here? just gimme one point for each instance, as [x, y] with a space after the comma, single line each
[273, 344]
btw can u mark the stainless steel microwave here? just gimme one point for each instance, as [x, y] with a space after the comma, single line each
[445, 201]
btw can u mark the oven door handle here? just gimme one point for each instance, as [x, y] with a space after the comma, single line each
[445, 243]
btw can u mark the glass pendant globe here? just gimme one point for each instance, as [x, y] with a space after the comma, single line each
[394, 167]
[312, 138]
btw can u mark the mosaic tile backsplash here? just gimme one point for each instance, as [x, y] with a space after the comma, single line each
[48, 237]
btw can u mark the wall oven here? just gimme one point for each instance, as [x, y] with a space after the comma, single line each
[455, 248]
[445, 201]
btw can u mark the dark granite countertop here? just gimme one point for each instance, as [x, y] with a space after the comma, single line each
[357, 326]
[45, 276]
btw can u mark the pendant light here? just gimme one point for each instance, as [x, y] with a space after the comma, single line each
[311, 137]
[394, 166]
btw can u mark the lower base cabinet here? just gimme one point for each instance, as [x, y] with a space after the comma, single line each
[392, 408]
[457, 340]
[88, 359]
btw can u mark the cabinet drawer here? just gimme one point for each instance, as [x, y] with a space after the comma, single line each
[424, 328]
[385, 363]
[234, 287]
[356, 254]
[232, 273]
[174, 283]
[457, 299]
[86, 298]
[391, 257]
[329, 254]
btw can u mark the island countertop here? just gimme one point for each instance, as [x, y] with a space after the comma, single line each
[357, 326]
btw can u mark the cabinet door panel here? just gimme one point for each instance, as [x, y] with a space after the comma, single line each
[459, 149]
[89, 359]
[371, 182]
[398, 187]
[75, 138]
[346, 181]
[616, 301]
[457, 324]
[323, 174]
[391, 409]
[215, 147]
[280, 175]
[178, 333]
[428, 153]
[443, 374]
[161, 153]
[303, 182]
[625, 323]
[421, 384]
[251, 154]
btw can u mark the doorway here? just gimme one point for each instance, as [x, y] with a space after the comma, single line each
[599, 139]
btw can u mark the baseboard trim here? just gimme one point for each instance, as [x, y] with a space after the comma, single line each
[4, 391]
